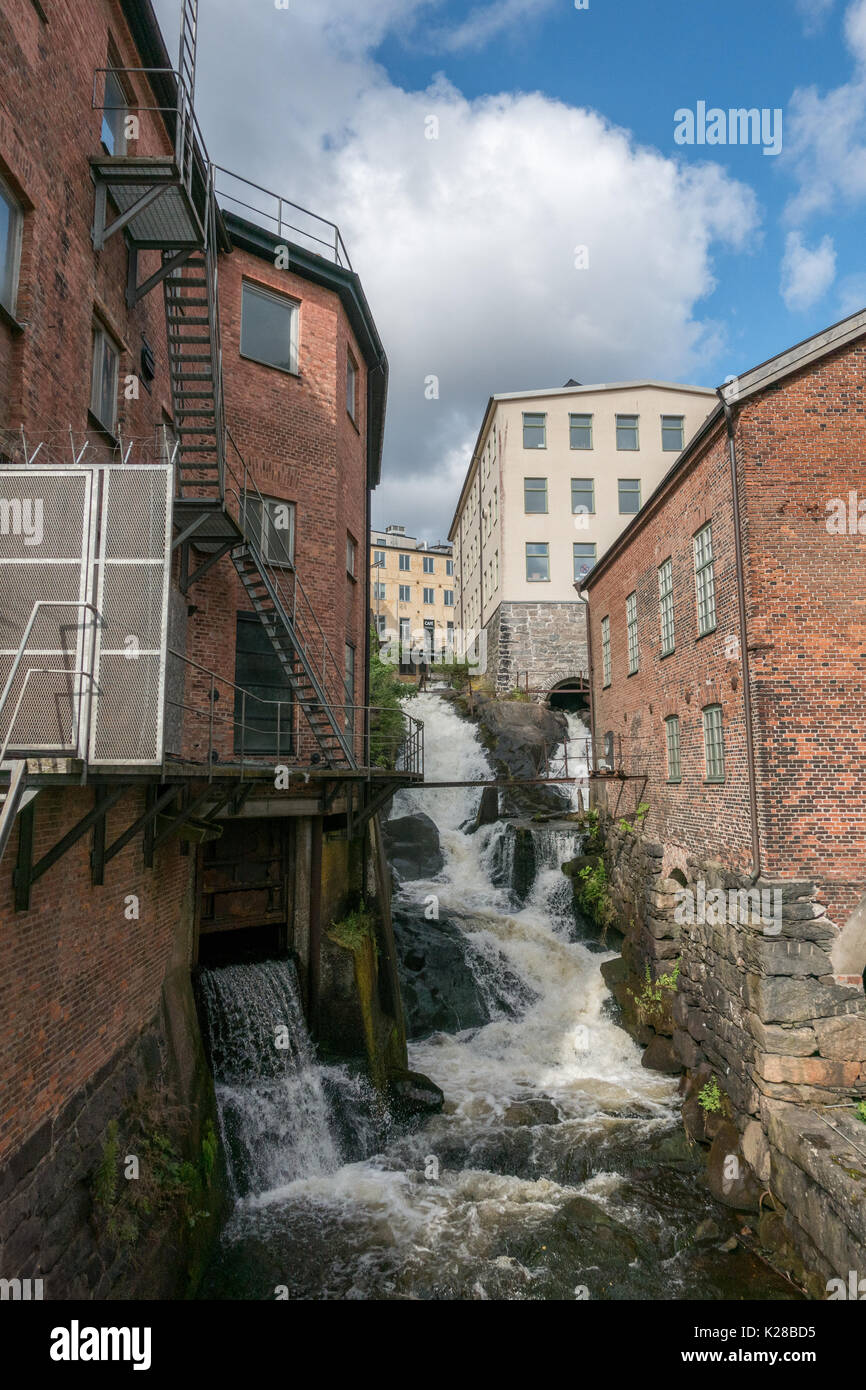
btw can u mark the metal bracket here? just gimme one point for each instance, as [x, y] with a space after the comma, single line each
[26, 872]
[136, 292]
[187, 579]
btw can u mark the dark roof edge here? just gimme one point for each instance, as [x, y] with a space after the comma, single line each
[347, 284]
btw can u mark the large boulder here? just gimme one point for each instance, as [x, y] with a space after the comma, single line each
[729, 1177]
[520, 737]
[412, 846]
[412, 1094]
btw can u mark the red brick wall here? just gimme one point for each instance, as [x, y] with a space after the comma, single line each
[78, 979]
[798, 446]
[48, 132]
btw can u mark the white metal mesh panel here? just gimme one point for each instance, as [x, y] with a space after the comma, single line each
[132, 597]
[46, 527]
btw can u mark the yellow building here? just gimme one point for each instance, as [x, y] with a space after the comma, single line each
[412, 593]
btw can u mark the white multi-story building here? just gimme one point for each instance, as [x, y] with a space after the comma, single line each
[554, 477]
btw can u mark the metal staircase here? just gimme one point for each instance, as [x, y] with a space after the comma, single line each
[303, 652]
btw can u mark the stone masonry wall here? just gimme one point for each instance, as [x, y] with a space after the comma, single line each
[547, 640]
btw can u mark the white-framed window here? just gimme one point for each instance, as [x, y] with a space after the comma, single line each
[672, 740]
[672, 433]
[537, 561]
[631, 633]
[580, 431]
[269, 328]
[351, 385]
[381, 623]
[582, 495]
[629, 495]
[666, 606]
[378, 590]
[405, 593]
[380, 559]
[705, 581]
[115, 110]
[405, 562]
[427, 564]
[448, 598]
[273, 531]
[351, 556]
[535, 495]
[714, 744]
[584, 557]
[11, 225]
[449, 567]
[429, 596]
[534, 430]
[605, 651]
[627, 432]
[104, 379]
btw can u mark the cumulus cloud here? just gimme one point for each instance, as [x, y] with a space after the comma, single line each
[825, 142]
[466, 243]
[807, 272]
[813, 14]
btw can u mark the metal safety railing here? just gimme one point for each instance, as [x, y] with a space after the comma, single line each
[257, 732]
[80, 715]
[280, 216]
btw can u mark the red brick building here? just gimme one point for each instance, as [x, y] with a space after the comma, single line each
[223, 381]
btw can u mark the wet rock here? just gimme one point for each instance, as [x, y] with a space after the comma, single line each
[707, 1230]
[412, 1094]
[598, 1235]
[532, 1112]
[488, 809]
[520, 736]
[701, 1125]
[412, 846]
[729, 1177]
[661, 1056]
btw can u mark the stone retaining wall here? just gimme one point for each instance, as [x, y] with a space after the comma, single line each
[547, 640]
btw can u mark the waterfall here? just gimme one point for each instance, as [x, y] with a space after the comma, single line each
[275, 1117]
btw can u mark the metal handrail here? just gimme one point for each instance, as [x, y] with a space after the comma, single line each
[411, 739]
[41, 671]
[335, 244]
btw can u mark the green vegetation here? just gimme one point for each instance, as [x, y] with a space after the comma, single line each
[860, 1111]
[457, 673]
[711, 1098]
[356, 928]
[592, 896]
[387, 725]
[518, 694]
[640, 816]
[656, 995]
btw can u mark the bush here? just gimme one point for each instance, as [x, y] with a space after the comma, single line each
[387, 724]
[710, 1098]
[593, 898]
[656, 995]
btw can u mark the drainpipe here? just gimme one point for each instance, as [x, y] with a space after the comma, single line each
[577, 589]
[744, 649]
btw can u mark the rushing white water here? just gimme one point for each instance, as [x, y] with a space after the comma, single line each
[569, 759]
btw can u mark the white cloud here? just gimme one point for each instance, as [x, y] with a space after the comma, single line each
[487, 22]
[814, 13]
[466, 244]
[825, 141]
[852, 294]
[807, 272]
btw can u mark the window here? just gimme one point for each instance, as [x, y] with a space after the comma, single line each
[259, 671]
[449, 567]
[449, 636]
[379, 559]
[269, 329]
[537, 560]
[584, 558]
[605, 650]
[351, 556]
[626, 432]
[580, 431]
[448, 598]
[350, 688]
[274, 533]
[405, 593]
[535, 494]
[672, 433]
[428, 564]
[631, 630]
[672, 736]
[629, 495]
[705, 583]
[11, 222]
[582, 495]
[405, 562]
[429, 596]
[381, 623]
[115, 111]
[351, 384]
[103, 388]
[666, 606]
[714, 744]
[534, 431]
[378, 590]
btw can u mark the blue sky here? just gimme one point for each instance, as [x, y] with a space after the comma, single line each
[555, 130]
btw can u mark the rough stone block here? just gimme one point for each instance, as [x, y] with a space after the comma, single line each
[807, 1071]
[843, 1037]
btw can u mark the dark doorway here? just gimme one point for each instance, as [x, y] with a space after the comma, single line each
[571, 695]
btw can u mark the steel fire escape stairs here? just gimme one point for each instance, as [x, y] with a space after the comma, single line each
[176, 214]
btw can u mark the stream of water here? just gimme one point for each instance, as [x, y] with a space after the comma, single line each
[558, 1168]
